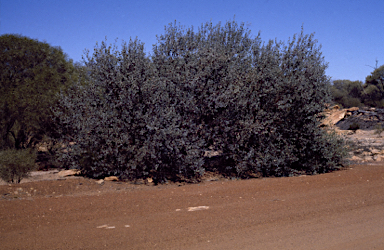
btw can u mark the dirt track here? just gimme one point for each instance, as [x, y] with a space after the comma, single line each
[340, 210]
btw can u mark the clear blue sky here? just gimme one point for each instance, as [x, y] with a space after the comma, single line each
[351, 31]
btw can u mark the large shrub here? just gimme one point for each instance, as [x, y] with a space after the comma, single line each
[214, 89]
[125, 122]
[257, 103]
[210, 68]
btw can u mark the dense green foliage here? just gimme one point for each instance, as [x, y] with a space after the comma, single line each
[214, 89]
[374, 88]
[348, 93]
[16, 164]
[31, 73]
[125, 123]
[356, 94]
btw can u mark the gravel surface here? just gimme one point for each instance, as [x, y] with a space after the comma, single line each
[339, 210]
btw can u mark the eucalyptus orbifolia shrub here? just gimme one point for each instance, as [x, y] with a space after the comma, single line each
[288, 89]
[208, 68]
[124, 121]
[258, 104]
[277, 130]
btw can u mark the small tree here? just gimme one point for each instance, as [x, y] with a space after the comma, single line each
[376, 78]
[16, 164]
[374, 87]
[31, 73]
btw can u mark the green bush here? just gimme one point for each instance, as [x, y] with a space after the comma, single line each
[347, 93]
[211, 89]
[31, 74]
[16, 164]
[379, 129]
[373, 89]
[126, 123]
[354, 126]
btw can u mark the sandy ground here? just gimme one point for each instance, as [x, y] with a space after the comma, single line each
[339, 210]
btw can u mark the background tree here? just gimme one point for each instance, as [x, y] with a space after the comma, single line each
[347, 93]
[31, 73]
[374, 88]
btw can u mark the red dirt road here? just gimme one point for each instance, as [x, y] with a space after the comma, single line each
[340, 210]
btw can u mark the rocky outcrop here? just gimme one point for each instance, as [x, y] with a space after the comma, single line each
[367, 145]
[335, 115]
[367, 155]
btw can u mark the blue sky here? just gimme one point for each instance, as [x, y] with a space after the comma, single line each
[351, 32]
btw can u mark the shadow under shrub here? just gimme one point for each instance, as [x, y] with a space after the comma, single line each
[16, 164]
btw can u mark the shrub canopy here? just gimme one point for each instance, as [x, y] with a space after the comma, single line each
[215, 89]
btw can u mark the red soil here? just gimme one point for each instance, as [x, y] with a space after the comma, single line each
[339, 210]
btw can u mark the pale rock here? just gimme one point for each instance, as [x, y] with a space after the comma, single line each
[352, 109]
[368, 158]
[191, 209]
[334, 117]
[42, 149]
[374, 151]
[212, 153]
[69, 172]
[366, 153]
[377, 157]
[111, 178]
[358, 132]
[102, 226]
[355, 158]
[101, 182]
